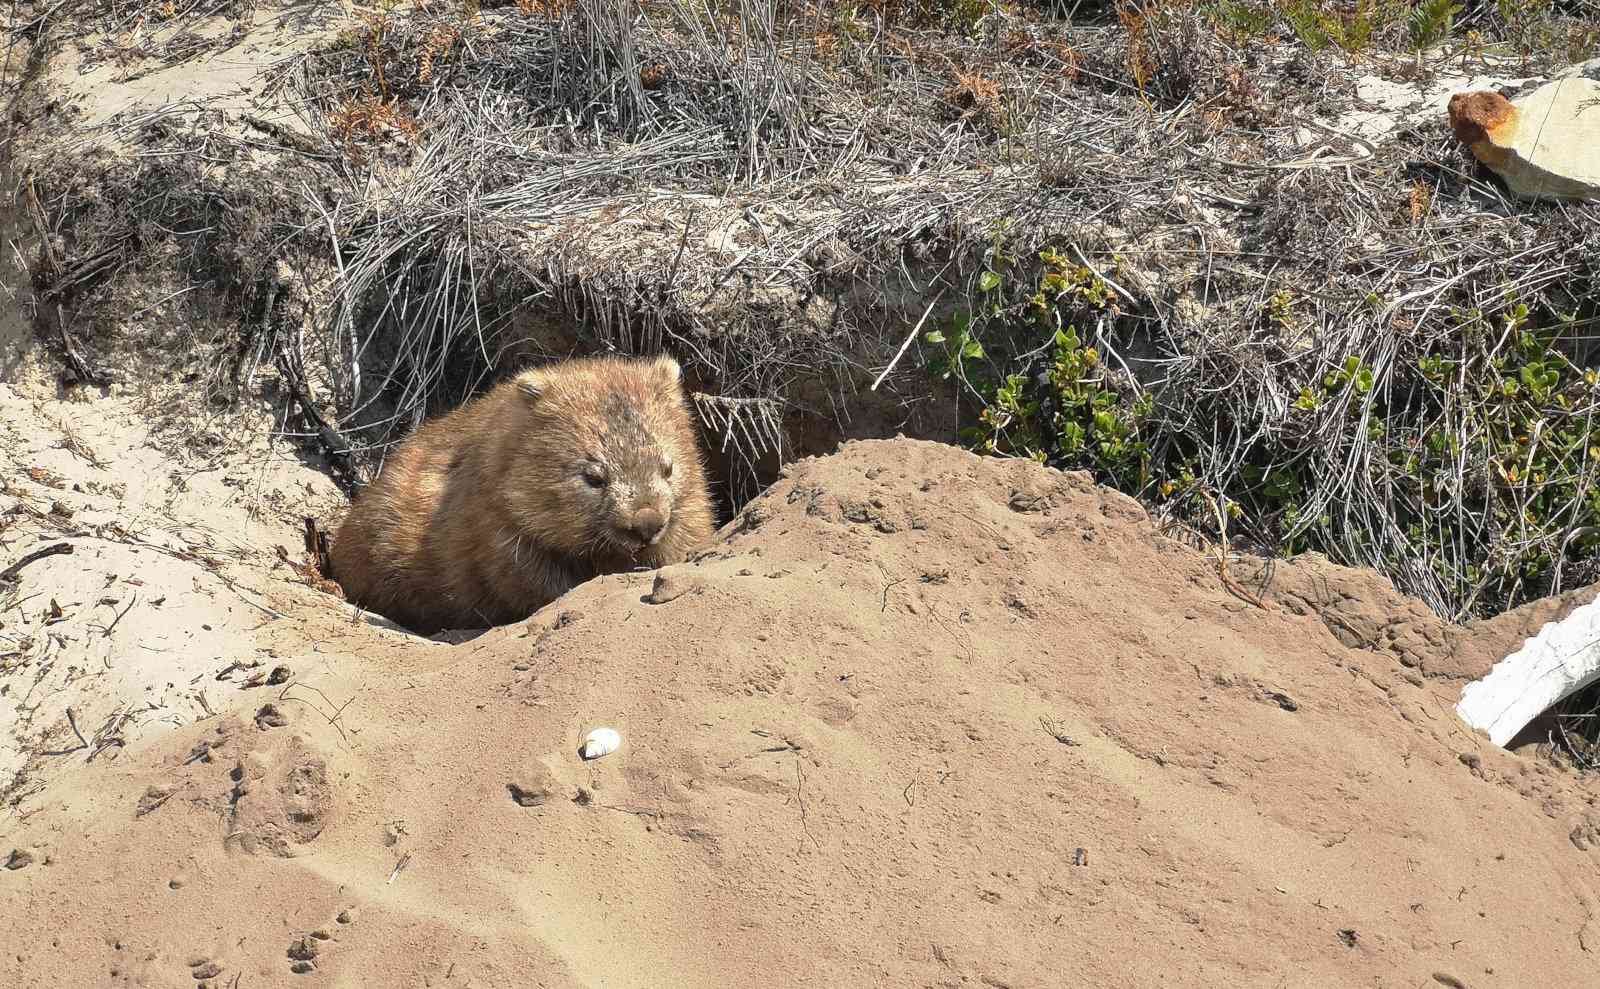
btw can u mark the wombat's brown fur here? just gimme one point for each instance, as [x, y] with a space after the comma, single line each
[565, 472]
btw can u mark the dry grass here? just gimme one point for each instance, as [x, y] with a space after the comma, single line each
[742, 182]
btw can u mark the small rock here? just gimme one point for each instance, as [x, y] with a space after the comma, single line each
[1542, 144]
[1283, 700]
[304, 967]
[279, 675]
[346, 917]
[304, 949]
[270, 717]
[206, 970]
[18, 859]
[1032, 497]
[525, 797]
[670, 587]
[177, 882]
[153, 797]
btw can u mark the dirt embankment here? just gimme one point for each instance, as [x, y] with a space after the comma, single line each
[917, 719]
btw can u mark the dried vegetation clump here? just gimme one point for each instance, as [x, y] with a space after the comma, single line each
[1141, 242]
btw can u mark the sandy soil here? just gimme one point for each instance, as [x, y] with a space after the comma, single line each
[917, 719]
[159, 611]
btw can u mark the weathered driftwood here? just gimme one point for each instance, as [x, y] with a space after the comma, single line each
[1562, 659]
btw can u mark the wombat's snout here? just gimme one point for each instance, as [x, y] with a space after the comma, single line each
[646, 525]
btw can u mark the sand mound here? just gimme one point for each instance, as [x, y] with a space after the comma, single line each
[918, 719]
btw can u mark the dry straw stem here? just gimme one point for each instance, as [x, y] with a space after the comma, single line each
[774, 192]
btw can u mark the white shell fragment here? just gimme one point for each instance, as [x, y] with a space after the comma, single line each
[601, 741]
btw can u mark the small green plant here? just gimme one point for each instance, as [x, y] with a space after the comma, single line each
[1352, 374]
[957, 347]
[1317, 24]
[1431, 22]
[1244, 19]
[1483, 447]
[1066, 414]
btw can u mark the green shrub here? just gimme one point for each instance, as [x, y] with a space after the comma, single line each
[1482, 445]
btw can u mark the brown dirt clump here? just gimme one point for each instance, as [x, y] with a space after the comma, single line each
[918, 719]
[489, 512]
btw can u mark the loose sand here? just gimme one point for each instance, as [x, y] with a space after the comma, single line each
[916, 719]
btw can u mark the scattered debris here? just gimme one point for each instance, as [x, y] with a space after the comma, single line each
[153, 798]
[1054, 730]
[527, 798]
[10, 573]
[405, 860]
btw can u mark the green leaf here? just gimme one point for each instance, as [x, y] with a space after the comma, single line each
[934, 336]
[988, 281]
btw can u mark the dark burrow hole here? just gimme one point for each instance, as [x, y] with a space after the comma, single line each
[1570, 728]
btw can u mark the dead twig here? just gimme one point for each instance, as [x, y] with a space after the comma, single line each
[398, 866]
[80, 367]
[333, 444]
[10, 573]
[338, 709]
[1222, 555]
[906, 344]
[83, 743]
[107, 633]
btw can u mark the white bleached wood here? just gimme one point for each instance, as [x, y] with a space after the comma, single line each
[1560, 660]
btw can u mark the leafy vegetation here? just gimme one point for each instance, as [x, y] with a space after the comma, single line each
[1481, 438]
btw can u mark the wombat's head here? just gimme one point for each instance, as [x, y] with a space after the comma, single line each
[607, 453]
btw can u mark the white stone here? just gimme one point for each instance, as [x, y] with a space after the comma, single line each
[1556, 151]
[1386, 105]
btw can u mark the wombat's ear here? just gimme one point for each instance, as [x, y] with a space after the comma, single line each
[669, 366]
[531, 383]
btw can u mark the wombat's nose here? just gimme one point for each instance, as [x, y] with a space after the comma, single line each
[647, 525]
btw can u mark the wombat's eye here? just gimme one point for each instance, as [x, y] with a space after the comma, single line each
[666, 469]
[594, 478]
